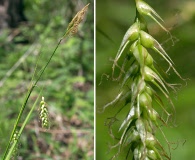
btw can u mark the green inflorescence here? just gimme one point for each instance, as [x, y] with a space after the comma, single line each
[44, 116]
[139, 86]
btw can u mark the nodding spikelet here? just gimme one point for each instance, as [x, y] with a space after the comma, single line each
[73, 25]
[44, 117]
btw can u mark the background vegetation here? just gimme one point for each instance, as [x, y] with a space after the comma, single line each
[67, 82]
[113, 19]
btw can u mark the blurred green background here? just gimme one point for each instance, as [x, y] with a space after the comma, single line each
[113, 19]
[68, 81]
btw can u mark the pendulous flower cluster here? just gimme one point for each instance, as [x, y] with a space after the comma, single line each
[140, 81]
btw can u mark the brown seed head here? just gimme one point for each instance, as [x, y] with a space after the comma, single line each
[73, 25]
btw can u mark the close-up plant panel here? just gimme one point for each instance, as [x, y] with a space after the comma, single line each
[46, 80]
[138, 101]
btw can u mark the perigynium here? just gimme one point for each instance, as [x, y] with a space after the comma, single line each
[140, 86]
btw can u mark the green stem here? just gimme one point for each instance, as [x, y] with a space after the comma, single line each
[8, 157]
[19, 117]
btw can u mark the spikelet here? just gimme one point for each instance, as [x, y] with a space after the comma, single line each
[44, 117]
[73, 25]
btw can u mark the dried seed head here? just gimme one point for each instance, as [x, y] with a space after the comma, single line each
[73, 25]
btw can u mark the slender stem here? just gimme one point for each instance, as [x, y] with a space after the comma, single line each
[21, 129]
[18, 119]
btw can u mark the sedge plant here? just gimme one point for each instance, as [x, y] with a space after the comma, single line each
[143, 90]
[43, 111]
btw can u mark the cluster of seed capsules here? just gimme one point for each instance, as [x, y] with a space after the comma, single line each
[44, 116]
[140, 82]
